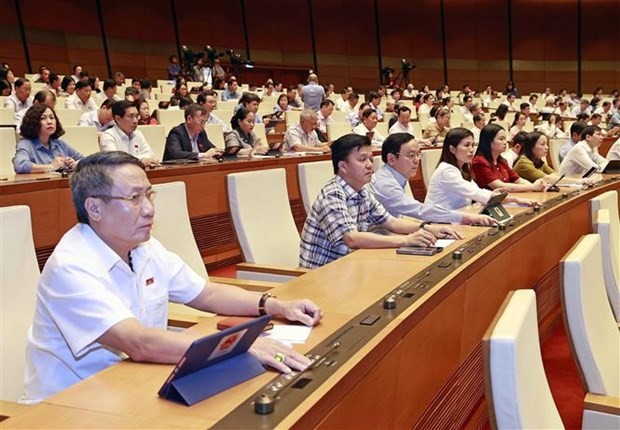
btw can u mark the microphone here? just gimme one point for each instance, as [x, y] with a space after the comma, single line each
[554, 187]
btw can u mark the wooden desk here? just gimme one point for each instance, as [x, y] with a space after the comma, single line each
[423, 370]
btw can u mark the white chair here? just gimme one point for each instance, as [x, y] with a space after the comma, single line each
[423, 118]
[336, 130]
[7, 151]
[610, 241]
[155, 135]
[312, 178]
[554, 152]
[7, 116]
[18, 284]
[68, 117]
[82, 138]
[215, 133]
[292, 117]
[382, 127]
[516, 388]
[264, 223]
[428, 161]
[339, 116]
[170, 118]
[592, 329]
[259, 131]
[224, 115]
[607, 200]
[417, 130]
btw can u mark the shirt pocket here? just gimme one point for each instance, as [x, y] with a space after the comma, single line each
[154, 306]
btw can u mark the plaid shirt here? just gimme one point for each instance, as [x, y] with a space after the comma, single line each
[338, 210]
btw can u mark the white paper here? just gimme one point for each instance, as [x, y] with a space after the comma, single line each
[289, 334]
[443, 243]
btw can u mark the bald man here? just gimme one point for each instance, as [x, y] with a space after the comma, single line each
[312, 94]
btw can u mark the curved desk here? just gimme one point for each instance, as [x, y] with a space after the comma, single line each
[422, 370]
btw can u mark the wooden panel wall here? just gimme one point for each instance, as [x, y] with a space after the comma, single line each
[141, 35]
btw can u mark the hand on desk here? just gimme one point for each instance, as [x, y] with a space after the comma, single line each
[478, 219]
[303, 311]
[444, 231]
[150, 162]
[279, 356]
[421, 237]
[521, 201]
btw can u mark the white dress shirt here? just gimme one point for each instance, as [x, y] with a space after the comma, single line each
[580, 159]
[74, 102]
[450, 190]
[116, 139]
[397, 127]
[377, 138]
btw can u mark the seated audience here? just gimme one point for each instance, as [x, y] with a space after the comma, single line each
[552, 128]
[427, 104]
[44, 75]
[89, 315]
[489, 168]
[81, 99]
[41, 150]
[20, 99]
[452, 185]
[180, 92]
[401, 155]
[208, 99]
[146, 118]
[293, 100]
[516, 146]
[479, 123]
[5, 88]
[282, 104]
[517, 125]
[324, 115]
[251, 101]
[231, 93]
[368, 127]
[499, 117]
[582, 157]
[437, 130]
[45, 97]
[189, 140]
[374, 98]
[343, 100]
[125, 136]
[345, 210]
[242, 135]
[575, 136]
[355, 117]
[303, 136]
[101, 119]
[403, 124]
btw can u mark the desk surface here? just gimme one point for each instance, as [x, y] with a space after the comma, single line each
[422, 370]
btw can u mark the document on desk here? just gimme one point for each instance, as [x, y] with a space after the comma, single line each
[289, 334]
[444, 243]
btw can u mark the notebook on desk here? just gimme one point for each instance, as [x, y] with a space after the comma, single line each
[495, 210]
[215, 363]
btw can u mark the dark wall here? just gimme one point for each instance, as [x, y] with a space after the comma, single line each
[538, 43]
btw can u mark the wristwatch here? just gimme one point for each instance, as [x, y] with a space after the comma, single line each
[262, 301]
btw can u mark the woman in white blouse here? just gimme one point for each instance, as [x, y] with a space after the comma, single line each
[517, 125]
[451, 185]
[553, 128]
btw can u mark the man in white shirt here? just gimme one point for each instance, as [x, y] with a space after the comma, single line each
[208, 99]
[46, 97]
[403, 124]
[513, 152]
[575, 136]
[374, 98]
[479, 123]
[368, 127]
[103, 295]
[101, 118]
[342, 101]
[355, 116]
[302, 136]
[427, 104]
[350, 106]
[467, 102]
[81, 98]
[324, 115]
[20, 99]
[125, 136]
[583, 156]
[109, 91]
[582, 107]
[510, 102]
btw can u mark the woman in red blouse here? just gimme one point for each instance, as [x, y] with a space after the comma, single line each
[491, 170]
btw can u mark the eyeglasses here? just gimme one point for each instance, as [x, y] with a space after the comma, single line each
[132, 116]
[411, 156]
[135, 199]
[202, 121]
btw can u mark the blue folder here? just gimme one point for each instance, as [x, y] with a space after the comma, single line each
[215, 363]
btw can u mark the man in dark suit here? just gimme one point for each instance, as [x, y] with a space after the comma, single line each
[189, 140]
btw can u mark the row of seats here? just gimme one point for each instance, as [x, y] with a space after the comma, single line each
[517, 391]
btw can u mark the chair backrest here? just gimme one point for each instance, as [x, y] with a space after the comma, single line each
[517, 392]
[170, 119]
[423, 118]
[172, 225]
[417, 130]
[8, 141]
[610, 242]
[339, 116]
[155, 136]
[382, 127]
[224, 115]
[591, 326]
[607, 200]
[215, 133]
[7, 116]
[68, 117]
[292, 117]
[554, 152]
[429, 160]
[262, 217]
[82, 138]
[259, 131]
[336, 130]
[312, 177]
[18, 284]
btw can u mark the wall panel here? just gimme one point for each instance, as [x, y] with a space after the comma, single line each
[61, 33]
[412, 30]
[545, 44]
[11, 47]
[140, 36]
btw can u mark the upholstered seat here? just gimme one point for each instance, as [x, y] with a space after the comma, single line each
[428, 163]
[312, 177]
[83, 139]
[610, 242]
[516, 388]
[155, 136]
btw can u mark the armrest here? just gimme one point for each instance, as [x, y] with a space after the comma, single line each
[10, 409]
[604, 404]
[274, 270]
[250, 285]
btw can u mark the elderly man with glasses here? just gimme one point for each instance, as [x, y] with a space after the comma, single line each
[104, 292]
[189, 140]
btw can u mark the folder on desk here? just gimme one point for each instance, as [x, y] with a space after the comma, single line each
[495, 210]
[215, 363]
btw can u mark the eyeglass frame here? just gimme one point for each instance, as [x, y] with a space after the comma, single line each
[135, 199]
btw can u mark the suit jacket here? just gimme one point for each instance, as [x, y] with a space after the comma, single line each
[179, 145]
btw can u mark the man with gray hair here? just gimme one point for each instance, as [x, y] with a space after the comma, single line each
[104, 292]
[302, 136]
[312, 94]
